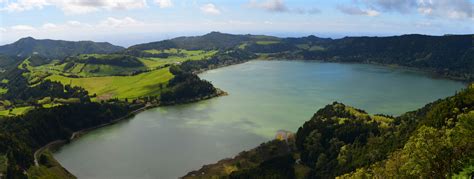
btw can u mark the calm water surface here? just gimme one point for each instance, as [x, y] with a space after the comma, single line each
[264, 96]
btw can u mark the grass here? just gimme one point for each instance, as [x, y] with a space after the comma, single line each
[3, 90]
[183, 54]
[100, 70]
[243, 46]
[16, 111]
[266, 42]
[144, 84]
[317, 48]
[86, 70]
[49, 169]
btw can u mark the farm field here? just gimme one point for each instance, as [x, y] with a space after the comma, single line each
[16, 111]
[144, 84]
[80, 68]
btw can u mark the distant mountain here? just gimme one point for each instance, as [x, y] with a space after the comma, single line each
[55, 48]
[213, 40]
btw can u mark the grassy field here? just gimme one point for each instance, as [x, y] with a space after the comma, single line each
[98, 70]
[144, 84]
[3, 90]
[85, 70]
[267, 42]
[108, 80]
[15, 111]
[183, 55]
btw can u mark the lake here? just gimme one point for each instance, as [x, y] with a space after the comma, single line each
[264, 96]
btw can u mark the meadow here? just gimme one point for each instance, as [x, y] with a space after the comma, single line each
[144, 84]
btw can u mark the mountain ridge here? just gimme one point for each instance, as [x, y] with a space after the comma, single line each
[48, 48]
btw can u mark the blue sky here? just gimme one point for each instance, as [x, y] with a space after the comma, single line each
[127, 22]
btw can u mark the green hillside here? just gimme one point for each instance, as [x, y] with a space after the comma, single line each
[144, 84]
[340, 141]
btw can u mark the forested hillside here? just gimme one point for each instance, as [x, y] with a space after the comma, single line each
[451, 55]
[340, 141]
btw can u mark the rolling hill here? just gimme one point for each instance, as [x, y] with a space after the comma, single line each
[56, 48]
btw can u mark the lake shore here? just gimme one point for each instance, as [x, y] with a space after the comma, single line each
[75, 135]
[197, 127]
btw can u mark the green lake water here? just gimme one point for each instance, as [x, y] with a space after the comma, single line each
[264, 96]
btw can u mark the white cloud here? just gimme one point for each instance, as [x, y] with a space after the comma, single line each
[23, 28]
[23, 5]
[116, 22]
[354, 10]
[269, 5]
[280, 6]
[164, 3]
[74, 23]
[371, 12]
[74, 6]
[49, 26]
[449, 9]
[2, 29]
[454, 9]
[210, 9]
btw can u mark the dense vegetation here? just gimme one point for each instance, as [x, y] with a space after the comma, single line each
[340, 141]
[451, 55]
[185, 87]
[222, 58]
[113, 59]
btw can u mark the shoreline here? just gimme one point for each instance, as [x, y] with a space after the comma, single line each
[428, 71]
[77, 134]
[81, 132]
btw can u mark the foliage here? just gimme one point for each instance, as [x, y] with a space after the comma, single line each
[186, 86]
[278, 167]
[222, 58]
[243, 164]
[340, 141]
[450, 55]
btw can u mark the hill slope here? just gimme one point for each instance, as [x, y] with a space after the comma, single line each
[432, 142]
[55, 48]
